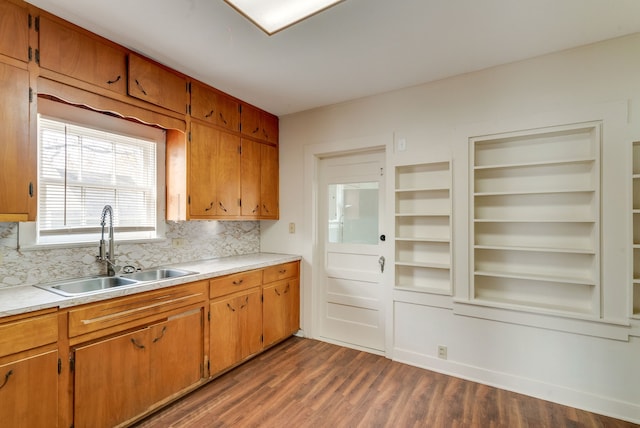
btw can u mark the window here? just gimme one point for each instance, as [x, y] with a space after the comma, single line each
[87, 160]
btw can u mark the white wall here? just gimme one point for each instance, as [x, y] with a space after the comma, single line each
[567, 361]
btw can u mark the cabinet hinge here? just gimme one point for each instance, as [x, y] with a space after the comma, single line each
[30, 95]
[59, 365]
[37, 23]
[38, 56]
[188, 109]
[209, 366]
[189, 136]
[261, 338]
[240, 202]
[30, 53]
[30, 19]
[262, 298]
[209, 315]
[72, 364]
[189, 87]
[189, 200]
[240, 108]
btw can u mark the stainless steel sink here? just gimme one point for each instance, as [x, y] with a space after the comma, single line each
[157, 274]
[94, 284]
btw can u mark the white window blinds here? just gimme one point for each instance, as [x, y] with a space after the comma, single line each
[82, 169]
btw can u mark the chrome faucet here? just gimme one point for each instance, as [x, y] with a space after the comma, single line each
[109, 255]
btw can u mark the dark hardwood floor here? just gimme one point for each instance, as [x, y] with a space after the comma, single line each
[306, 383]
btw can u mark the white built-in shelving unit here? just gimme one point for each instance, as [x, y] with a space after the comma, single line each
[423, 227]
[535, 201]
[636, 229]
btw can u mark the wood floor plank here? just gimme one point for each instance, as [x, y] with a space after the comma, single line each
[304, 383]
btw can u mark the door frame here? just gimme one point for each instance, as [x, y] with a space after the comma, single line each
[312, 253]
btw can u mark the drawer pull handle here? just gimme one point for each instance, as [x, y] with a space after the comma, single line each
[230, 307]
[6, 378]
[223, 119]
[210, 206]
[136, 344]
[282, 271]
[265, 208]
[164, 330]
[208, 115]
[255, 210]
[222, 207]
[238, 282]
[111, 82]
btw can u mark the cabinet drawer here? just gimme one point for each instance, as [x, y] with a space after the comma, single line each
[27, 334]
[98, 316]
[236, 282]
[286, 270]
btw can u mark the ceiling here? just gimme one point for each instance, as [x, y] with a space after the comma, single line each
[354, 49]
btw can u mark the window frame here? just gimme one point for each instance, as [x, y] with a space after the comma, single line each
[29, 232]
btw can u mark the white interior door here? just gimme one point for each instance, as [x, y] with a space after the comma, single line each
[351, 202]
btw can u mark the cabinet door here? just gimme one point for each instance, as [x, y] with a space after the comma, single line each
[270, 128]
[280, 310]
[71, 52]
[251, 164]
[259, 124]
[214, 173]
[269, 182]
[176, 355]
[111, 380]
[29, 392]
[236, 325]
[228, 175]
[203, 155]
[154, 84]
[214, 107]
[14, 31]
[16, 182]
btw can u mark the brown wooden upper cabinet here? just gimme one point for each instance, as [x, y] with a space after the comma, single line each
[213, 173]
[75, 53]
[214, 107]
[259, 124]
[14, 31]
[259, 180]
[157, 85]
[17, 172]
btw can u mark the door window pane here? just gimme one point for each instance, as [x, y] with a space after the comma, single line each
[353, 213]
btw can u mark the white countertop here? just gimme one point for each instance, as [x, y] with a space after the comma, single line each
[18, 300]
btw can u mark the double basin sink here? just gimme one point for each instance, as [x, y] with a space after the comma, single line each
[95, 284]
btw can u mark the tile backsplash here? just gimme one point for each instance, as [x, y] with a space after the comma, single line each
[202, 240]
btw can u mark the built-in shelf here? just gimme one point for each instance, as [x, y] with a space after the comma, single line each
[535, 198]
[423, 227]
[635, 214]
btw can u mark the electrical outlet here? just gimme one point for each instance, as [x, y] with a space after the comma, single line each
[442, 352]
[292, 228]
[178, 242]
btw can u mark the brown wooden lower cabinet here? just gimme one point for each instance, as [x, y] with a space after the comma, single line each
[280, 310]
[236, 329]
[119, 378]
[29, 391]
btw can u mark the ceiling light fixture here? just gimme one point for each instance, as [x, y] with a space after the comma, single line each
[275, 15]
